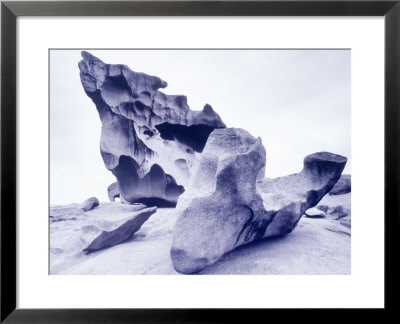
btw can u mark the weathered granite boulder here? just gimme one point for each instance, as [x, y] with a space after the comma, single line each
[225, 206]
[343, 185]
[149, 139]
[122, 233]
[314, 213]
[221, 208]
[89, 204]
[287, 198]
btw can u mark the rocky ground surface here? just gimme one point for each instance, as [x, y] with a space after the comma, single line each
[316, 246]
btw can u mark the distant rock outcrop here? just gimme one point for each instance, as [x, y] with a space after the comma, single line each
[149, 139]
[89, 204]
[343, 185]
[122, 233]
[222, 207]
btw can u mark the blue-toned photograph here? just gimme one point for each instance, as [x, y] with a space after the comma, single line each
[200, 161]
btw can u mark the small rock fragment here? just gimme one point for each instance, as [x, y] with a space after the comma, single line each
[339, 212]
[89, 204]
[324, 208]
[122, 233]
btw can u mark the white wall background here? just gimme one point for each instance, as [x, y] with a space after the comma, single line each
[297, 101]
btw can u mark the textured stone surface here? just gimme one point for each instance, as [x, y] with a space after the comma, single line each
[314, 213]
[122, 233]
[287, 198]
[89, 204]
[223, 207]
[343, 185]
[149, 139]
[64, 213]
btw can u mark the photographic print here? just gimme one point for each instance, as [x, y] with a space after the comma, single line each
[200, 161]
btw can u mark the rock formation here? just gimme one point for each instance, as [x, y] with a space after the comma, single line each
[339, 212]
[72, 211]
[221, 208]
[287, 198]
[225, 206]
[343, 185]
[122, 233]
[89, 204]
[315, 213]
[149, 139]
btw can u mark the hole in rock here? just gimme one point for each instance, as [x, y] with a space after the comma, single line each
[194, 136]
[148, 133]
[145, 93]
[155, 189]
[116, 90]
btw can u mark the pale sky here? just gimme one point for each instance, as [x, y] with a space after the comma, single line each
[297, 101]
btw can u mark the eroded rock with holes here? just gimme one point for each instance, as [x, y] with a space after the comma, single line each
[225, 206]
[149, 139]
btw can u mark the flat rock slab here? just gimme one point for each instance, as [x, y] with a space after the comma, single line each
[310, 249]
[89, 204]
[122, 233]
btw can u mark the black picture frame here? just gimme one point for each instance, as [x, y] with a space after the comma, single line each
[10, 10]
